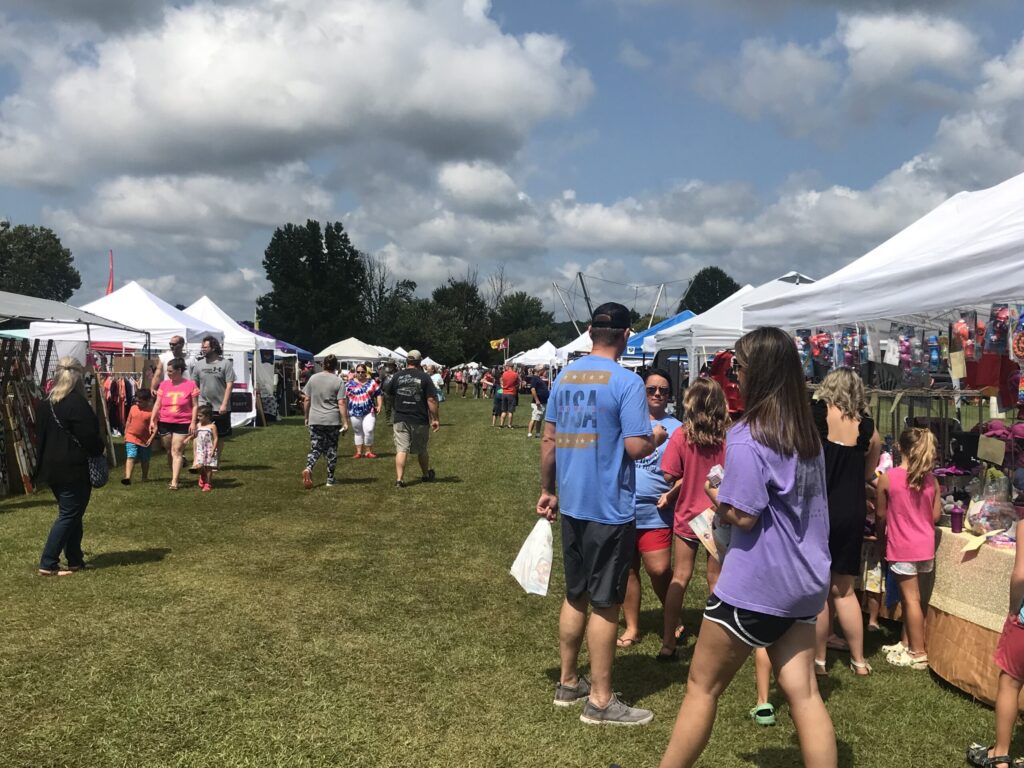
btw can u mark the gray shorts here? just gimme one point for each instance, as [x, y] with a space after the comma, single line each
[912, 568]
[411, 438]
[536, 412]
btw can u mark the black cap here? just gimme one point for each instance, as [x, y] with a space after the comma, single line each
[610, 315]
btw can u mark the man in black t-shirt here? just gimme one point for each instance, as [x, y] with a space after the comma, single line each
[414, 407]
[538, 384]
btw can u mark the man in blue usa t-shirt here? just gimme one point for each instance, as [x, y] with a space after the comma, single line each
[596, 426]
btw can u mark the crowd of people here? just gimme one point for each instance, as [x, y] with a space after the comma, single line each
[790, 486]
[780, 490]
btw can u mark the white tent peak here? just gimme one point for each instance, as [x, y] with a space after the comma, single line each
[349, 349]
[236, 337]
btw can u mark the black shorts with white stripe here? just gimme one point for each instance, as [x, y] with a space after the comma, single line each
[758, 630]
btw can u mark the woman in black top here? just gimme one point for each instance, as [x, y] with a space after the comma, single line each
[851, 447]
[69, 434]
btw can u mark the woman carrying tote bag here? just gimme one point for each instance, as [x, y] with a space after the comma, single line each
[69, 434]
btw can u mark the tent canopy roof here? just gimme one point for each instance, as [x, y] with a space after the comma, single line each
[350, 349]
[132, 304]
[542, 355]
[236, 337]
[967, 251]
[635, 345]
[14, 306]
[725, 322]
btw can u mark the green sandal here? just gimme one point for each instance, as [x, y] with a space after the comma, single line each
[763, 714]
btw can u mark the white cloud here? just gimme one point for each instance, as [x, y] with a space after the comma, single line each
[223, 87]
[871, 62]
[481, 188]
[786, 83]
[633, 57]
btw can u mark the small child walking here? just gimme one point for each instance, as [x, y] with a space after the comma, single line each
[907, 508]
[138, 436]
[1009, 657]
[205, 451]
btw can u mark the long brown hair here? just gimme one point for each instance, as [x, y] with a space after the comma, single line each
[920, 450]
[706, 413]
[778, 409]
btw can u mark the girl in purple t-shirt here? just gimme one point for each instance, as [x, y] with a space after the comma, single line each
[776, 576]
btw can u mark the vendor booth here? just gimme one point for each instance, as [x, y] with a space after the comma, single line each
[936, 313]
[251, 355]
[25, 367]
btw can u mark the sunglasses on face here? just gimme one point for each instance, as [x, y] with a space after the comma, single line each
[658, 391]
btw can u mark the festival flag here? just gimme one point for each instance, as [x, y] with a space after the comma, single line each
[110, 277]
[499, 343]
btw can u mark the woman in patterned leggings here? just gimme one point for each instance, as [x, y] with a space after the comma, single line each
[326, 416]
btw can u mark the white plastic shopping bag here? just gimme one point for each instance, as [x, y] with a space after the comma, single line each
[532, 566]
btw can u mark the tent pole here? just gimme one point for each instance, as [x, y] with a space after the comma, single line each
[657, 301]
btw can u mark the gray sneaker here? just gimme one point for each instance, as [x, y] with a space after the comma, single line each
[566, 695]
[616, 713]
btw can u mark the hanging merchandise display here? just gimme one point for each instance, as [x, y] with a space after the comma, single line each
[998, 332]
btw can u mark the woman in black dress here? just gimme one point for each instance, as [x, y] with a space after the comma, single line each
[69, 434]
[851, 447]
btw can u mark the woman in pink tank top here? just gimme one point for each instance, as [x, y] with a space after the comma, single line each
[908, 507]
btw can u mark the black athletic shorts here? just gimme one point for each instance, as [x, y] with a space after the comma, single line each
[758, 630]
[223, 422]
[164, 428]
[597, 558]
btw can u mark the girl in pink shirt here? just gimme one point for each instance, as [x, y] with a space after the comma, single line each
[691, 452]
[907, 508]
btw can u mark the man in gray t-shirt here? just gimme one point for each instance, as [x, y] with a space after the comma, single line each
[215, 375]
[326, 411]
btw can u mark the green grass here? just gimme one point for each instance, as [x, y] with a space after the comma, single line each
[263, 625]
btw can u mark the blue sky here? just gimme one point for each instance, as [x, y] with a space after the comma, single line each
[635, 140]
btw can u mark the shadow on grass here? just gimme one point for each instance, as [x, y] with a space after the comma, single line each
[449, 479]
[784, 757]
[134, 557]
[357, 481]
[27, 504]
[247, 467]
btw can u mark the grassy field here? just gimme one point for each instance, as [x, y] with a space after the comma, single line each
[360, 625]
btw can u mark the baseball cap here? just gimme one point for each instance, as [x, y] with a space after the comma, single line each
[610, 315]
[415, 355]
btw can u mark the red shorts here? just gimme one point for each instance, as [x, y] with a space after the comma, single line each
[1009, 655]
[653, 539]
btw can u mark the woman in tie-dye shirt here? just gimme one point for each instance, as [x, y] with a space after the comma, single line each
[364, 401]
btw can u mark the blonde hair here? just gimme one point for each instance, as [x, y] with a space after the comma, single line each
[919, 449]
[68, 378]
[843, 389]
[706, 413]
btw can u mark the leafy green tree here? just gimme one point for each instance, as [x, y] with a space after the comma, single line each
[517, 311]
[34, 263]
[708, 287]
[319, 284]
[463, 298]
[422, 324]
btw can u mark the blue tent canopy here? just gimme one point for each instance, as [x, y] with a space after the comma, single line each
[635, 345]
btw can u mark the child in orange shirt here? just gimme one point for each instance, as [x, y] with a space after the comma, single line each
[138, 436]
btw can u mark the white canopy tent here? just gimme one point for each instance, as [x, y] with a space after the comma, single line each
[351, 349]
[542, 355]
[134, 306]
[967, 251]
[239, 342]
[722, 325]
[581, 343]
[431, 362]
